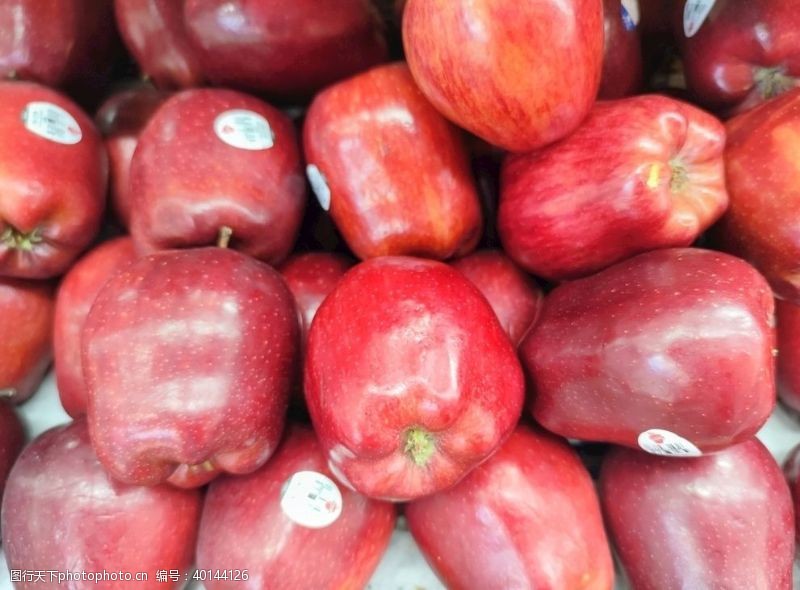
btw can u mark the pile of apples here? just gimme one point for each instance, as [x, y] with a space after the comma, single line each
[287, 284]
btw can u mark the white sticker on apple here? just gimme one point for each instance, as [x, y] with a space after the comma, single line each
[50, 121]
[311, 499]
[695, 13]
[630, 9]
[668, 444]
[320, 186]
[244, 129]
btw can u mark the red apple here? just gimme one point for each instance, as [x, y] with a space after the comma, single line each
[155, 33]
[742, 53]
[518, 74]
[410, 380]
[514, 296]
[214, 159]
[763, 178]
[12, 439]
[788, 320]
[53, 176]
[721, 521]
[656, 17]
[393, 172]
[188, 356]
[642, 173]
[526, 518]
[120, 119]
[63, 513]
[26, 334]
[791, 470]
[76, 294]
[671, 351]
[622, 57]
[319, 535]
[286, 48]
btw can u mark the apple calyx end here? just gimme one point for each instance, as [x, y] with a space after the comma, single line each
[419, 445]
[680, 176]
[224, 237]
[18, 240]
[772, 82]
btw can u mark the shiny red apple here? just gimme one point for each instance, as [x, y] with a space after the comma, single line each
[12, 439]
[622, 57]
[788, 320]
[26, 334]
[721, 521]
[670, 351]
[53, 174]
[518, 74]
[392, 171]
[526, 518]
[514, 296]
[63, 513]
[641, 173]
[320, 534]
[791, 470]
[188, 356]
[76, 294]
[212, 161]
[410, 380]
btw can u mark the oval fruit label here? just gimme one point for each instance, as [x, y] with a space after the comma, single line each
[695, 13]
[244, 129]
[311, 499]
[668, 444]
[320, 186]
[630, 14]
[50, 121]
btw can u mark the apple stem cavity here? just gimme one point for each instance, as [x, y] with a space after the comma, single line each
[224, 237]
[18, 240]
[773, 81]
[680, 177]
[419, 446]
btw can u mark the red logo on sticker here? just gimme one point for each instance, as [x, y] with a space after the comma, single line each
[656, 438]
[330, 506]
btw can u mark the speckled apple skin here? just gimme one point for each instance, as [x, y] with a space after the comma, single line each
[187, 183]
[788, 318]
[12, 439]
[54, 188]
[398, 172]
[76, 294]
[188, 356]
[528, 517]
[406, 343]
[720, 521]
[242, 515]
[679, 339]
[63, 512]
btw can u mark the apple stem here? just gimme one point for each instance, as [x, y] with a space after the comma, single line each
[419, 445]
[224, 236]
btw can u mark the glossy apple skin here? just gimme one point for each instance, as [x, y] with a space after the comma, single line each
[656, 17]
[788, 320]
[678, 339]
[188, 356]
[155, 33]
[242, 515]
[745, 52]
[763, 179]
[570, 210]
[791, 470]
[473, 61]
[120, 120]
[62, 511]
[12, 439]
[284, 48]
[721, 521]
[76, 294]
[528, 517]
[422, 384]
[622, 57]
[52, 195]
[397, 171]
[514, 296]
[26, 333]
[187, 183]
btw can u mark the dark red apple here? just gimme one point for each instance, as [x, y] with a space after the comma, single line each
[788, 320]
[12, 439]
[392, 171]
[26, 335]
[63, 513]
[518, 74]
[641, 173]
[514, 296]
[742, 53]
[155, 33]
[763, 179]
[410, 380]
[285, 48]
[188, 356]
[655, 17]
[120, 119]
[622, 57]
[670, 351]
[526, 518]
[721, 521]
[214, 159]
[76, 294]
[320, 535]
[53, 174]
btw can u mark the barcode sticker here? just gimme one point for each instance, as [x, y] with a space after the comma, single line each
[630, 13]
[320, 186]
[244, 129]
[51, 122]
[311, 500]
[695, 13]
[663, 442]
